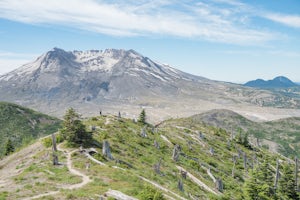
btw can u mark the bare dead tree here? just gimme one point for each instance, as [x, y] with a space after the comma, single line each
[296, 174]
[276, 175]
[157, 167]
[212, 151]
[257, 142]
[176, 153]
[240, 152]
[234, 159]
[200, 135]
[54, 148]
[183, 174]
[232, 135]
[143, 132]
[189, 143]
[228, 144]
[156, 144]
[219, 184]
[245, 161]
[55, 158]
[180, 185]
[106, 150]
[254, 160]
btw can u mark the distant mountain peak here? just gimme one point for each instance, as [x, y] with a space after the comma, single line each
[277, 82]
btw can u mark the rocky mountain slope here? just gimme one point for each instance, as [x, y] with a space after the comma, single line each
[278, 136]
[278, 82]
[22, 125]
[124, 80]
[179, 159]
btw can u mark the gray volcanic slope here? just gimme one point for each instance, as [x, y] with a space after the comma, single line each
[119, 80]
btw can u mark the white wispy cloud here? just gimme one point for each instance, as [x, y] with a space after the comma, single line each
[195, 19]
[288, 20]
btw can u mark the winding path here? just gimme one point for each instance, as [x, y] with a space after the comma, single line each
[85, 178]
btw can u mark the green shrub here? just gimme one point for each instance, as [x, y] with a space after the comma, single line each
[150, 193]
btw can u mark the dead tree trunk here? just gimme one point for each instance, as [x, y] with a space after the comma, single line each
[143, 132]
[255, 161]
[211, 151]
[54, 148]
[245, 161]
[180, 185]
[55, 158]
[296, 174]
[219, 184]
[257, 142]
[240, 152]
[106, 150]
[200, 135]
[176, 152]
[183, 174]
[234, 159]
[157, 167]
[276, 175]
[156, 144]
[189, 143]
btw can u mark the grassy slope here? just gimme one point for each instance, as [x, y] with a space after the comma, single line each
[23, 125]
[127, 145]
[284, 132]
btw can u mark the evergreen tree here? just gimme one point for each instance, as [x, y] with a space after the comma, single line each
[260, 184]
[9, 147]
[142, 117]
[74, 131]
[246, 142]
[287, 184]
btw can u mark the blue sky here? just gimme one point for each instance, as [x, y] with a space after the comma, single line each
[229, 40]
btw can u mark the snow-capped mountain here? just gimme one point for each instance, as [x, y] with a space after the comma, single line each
[117, 80]
[90, 74]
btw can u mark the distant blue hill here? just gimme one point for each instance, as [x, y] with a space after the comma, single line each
[278, 82]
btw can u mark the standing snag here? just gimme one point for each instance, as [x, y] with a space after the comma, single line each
[180, 185]
[276, 175]
[53, 142]
[189, 143]
[219, 185]
[245, 161]
[106, 150]
[176, 153]
[183, 174]
[156, 144]
[157, 167]
[143, 132]
[55, 158]
[234, 159]
[211, 151]
[296, 174]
